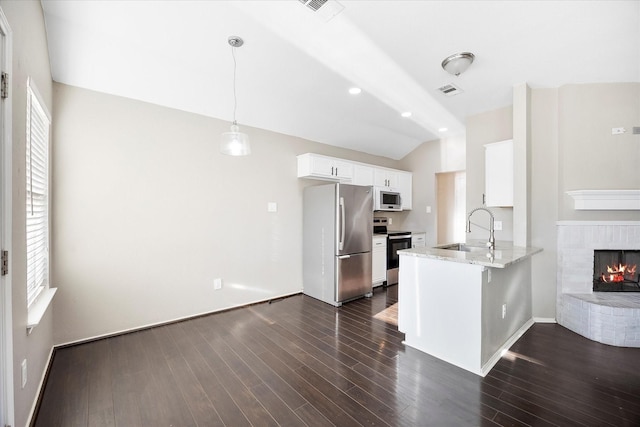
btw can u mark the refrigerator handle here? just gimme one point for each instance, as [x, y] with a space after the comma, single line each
[342, 224]
[344, 256]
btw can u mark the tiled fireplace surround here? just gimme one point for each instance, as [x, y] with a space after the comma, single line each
[610, 317]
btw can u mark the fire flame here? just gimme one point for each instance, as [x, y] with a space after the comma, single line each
[616, 274]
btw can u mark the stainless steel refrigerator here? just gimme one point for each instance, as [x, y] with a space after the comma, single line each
[337, 239]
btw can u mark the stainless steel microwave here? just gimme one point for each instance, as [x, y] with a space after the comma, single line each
[385, 199]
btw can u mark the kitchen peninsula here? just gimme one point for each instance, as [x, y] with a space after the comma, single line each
[464, 303]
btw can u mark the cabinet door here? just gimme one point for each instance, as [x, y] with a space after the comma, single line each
[362, 175]
[405, 188]
[379, 260]
[499, 173]
[343, 170]
[385, 178]
[418, 240]
[322, 166]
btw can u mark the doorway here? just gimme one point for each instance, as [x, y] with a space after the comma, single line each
[451, 189]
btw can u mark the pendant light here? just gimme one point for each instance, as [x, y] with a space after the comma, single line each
[234, 142]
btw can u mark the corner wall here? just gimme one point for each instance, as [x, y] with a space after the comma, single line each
[148, 213]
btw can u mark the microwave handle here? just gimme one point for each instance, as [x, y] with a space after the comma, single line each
[342, 224]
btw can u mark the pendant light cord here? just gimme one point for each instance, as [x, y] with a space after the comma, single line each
[235, 98]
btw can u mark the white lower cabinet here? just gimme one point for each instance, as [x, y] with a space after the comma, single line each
[379, 260]
[418, 240]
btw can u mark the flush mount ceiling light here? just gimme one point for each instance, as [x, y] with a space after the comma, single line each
[458, 63]
[355, 90]
[235, 143]
[406, 114]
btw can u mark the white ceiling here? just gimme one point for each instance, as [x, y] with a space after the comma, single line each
[295, 67]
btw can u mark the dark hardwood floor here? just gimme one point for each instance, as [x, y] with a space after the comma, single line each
[298, 361]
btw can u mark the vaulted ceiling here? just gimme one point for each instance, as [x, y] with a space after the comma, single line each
[296, 65]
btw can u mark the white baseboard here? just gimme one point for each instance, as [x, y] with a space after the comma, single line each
[167, 322]
[545, 320]
[505, 347]
[40, 390]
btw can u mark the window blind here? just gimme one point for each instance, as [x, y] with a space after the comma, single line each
[37, 183]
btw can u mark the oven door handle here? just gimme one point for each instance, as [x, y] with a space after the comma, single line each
[407, 236]
[342, 224]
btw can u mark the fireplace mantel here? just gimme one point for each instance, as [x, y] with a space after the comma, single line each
[605, 199]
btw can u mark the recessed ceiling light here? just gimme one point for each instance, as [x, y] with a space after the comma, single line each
[443, 129]
[355, 90]
[406, 114]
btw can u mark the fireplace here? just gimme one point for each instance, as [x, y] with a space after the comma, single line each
[616, 270]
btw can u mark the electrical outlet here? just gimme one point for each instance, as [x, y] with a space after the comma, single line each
[504, 310]
[23, 370]
[497, 225]
[390, 221]
[272, 207]
[428, 209]
[618, 131]
[489, 276]
[217, 284]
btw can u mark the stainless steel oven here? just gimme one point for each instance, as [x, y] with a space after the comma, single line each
[395, 241]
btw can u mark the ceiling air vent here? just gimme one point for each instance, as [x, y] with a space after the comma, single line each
[313, 4]
[450, 89]
[327, 9]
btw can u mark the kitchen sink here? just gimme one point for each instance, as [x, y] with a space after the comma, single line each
[463, 247]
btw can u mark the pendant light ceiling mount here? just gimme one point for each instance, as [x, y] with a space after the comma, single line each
[235, 41]
[234, 142]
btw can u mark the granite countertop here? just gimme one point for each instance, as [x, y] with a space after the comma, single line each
[504, 254]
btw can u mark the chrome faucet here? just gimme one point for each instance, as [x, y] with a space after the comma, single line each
[492, 238]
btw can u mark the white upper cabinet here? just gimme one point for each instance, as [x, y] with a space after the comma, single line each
[385, 178]
[317, 166]
[323, 167]
[499, 173]
[362, 175]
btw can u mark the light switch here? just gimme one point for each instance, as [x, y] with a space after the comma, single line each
[428, 209]
[272, 207]
[497, 225]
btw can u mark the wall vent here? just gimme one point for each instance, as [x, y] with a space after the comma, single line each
[450, 89]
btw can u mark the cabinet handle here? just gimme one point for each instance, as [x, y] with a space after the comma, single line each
[332, 171]
[336, 171]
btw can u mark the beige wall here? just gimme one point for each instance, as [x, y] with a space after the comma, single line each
[590, 157]
[570, 140]
[148, 213]
[544, 200]
[485, 128]
[445, 155]
[30, 59]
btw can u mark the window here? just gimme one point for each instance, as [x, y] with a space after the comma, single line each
[37, 190]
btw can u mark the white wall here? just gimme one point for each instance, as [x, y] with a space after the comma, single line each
[30, 59]
[148, 213]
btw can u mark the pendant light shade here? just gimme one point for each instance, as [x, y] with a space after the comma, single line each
[234, 142]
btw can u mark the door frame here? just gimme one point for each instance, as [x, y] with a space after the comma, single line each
[6, 152]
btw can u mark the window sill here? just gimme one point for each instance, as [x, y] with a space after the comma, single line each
[38, 308]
